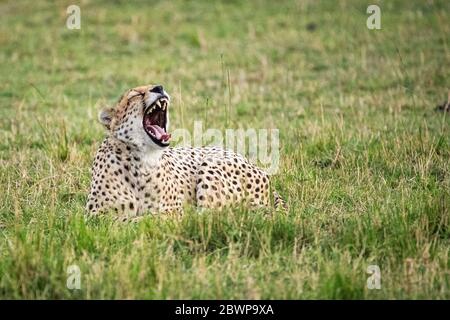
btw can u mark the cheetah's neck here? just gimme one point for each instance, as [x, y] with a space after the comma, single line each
[150, 158]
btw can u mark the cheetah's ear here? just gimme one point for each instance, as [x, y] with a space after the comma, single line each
[105, 117]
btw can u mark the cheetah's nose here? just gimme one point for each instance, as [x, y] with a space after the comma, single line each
[157, 89]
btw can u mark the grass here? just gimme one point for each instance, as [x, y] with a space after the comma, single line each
[364, 154]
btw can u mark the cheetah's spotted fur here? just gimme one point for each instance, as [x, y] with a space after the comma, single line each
[134, 174]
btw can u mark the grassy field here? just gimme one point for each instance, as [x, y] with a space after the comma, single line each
[364, 154]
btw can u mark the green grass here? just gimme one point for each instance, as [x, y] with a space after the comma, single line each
[364, 155]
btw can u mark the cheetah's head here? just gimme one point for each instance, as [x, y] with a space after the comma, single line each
[140, 118]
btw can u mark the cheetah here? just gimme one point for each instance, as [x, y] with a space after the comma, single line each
[135, 171]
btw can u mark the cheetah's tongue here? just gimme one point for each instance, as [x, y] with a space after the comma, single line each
[159, 132]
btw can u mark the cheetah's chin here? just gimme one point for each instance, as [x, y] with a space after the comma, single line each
[155, 122]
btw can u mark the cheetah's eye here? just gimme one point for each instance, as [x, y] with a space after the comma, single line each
[155, 121]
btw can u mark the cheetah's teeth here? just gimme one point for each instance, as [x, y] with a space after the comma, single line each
[160, 104]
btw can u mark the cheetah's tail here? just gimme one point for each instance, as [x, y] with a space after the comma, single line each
[279, 202]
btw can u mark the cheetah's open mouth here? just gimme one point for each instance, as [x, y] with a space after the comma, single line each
[155, 121]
